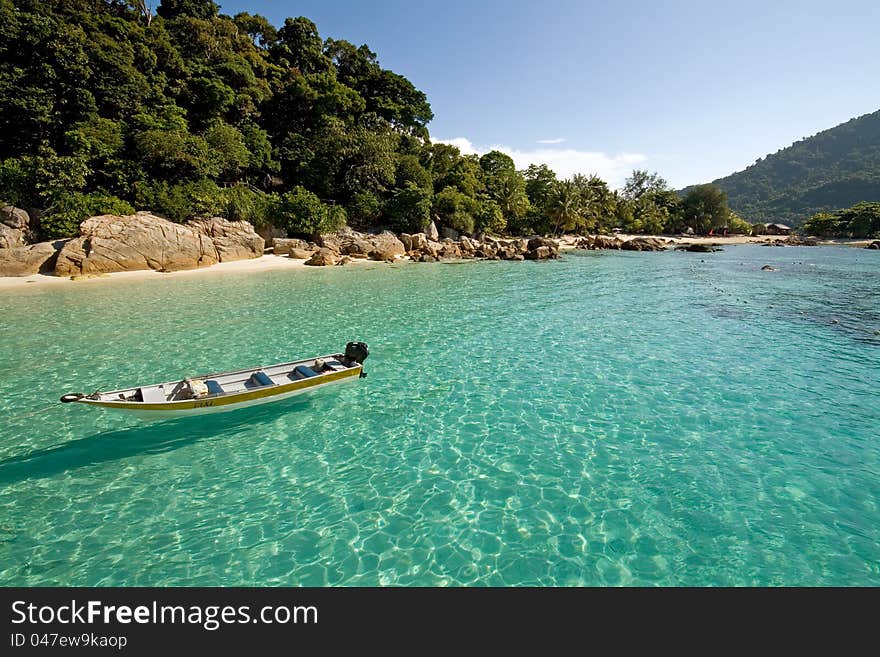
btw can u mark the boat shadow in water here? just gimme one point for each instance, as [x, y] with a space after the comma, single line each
[152, 438]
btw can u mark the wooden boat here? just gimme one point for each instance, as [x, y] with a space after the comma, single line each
[227, 391]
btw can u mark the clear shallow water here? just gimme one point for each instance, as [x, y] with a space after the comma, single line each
[609, 419]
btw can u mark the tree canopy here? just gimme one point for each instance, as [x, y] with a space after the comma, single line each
[861, 220]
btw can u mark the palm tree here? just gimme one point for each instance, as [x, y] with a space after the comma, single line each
[512, 196]
[596, 200]
[565, 207]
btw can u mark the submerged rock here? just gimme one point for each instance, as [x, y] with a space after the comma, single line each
[644, 244]
[700, 248]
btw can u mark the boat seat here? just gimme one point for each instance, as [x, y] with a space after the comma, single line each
[335, 365]
[303, 372]
[261, 379]
[214, 388]
[152, 395]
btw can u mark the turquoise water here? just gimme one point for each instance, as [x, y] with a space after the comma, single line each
[608, 419]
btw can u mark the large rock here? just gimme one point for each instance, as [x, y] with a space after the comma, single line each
[357, 246]
[381, 246]
[598, 242]
[14, 227]
[468, 245]
[873, 245]
[432, 232]
[387, 242]
[283, 246]
[700, 248]
[110, 243]
[539, 253]
[449, 233]
[450, 249]
[301, 254]
[271, 233]
[419, 242]
[233, 240]
[644, 244]
[323, 257]
[27, 260]
[542, 248]
[332, 241]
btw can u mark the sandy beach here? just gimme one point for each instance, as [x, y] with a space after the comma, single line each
[567, 241]
[264, 263]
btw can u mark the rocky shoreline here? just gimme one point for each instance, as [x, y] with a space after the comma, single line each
[143, 242]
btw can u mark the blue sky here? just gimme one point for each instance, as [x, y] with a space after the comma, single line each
[693, 90]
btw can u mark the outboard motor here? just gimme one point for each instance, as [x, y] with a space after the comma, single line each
[356, 352]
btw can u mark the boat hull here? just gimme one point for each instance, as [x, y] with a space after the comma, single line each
[229, 402]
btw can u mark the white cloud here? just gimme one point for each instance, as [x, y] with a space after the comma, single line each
[564, 161]
[558, 140]
[461, 143]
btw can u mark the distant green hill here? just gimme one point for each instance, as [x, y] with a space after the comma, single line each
[833, 169]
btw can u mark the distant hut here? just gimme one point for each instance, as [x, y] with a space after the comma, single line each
[777, 229]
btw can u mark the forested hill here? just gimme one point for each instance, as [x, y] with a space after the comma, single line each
[833, 169]
[106, 105]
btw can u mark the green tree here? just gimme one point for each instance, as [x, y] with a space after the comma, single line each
[642, 182]
[541, 186]
[456, 210]
[300, 212]
[738, 225]
[365, 208]
[597, 201]
[410, 169]
[409, 209]
[506, 187]
[171, 9]
[823, 224]
[564, 208]
[67, 212]
[300, 46]
[861, 220]
[490, 218]
[229, 154]
[100, 100]
[705, 207]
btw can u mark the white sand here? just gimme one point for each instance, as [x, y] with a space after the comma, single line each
[263, 263]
